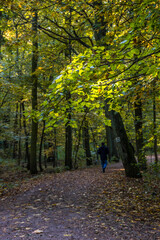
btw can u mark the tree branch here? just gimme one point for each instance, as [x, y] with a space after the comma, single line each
[3, 100]
[70, 36]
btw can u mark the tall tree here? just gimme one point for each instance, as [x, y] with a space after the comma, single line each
[124, 150]
[33, 157]
[68, 127]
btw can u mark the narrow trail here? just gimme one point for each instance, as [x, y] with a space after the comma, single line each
[68, 206]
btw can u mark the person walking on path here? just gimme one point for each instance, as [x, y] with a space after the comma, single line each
[103, 151]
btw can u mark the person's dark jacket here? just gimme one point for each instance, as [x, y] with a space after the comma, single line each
[103, 151]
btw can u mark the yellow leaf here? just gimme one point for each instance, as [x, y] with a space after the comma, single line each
[38, 231]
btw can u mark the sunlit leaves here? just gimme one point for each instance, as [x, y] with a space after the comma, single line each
[130, 51]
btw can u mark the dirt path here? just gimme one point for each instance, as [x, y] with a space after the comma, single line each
[69, 206]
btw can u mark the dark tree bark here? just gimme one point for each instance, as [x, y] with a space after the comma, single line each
[68, 146]
[40, 147]
[113, 155]
[124, 148]
[1, 37]
[34, 130]
[154, 122]
[139, 134]
[77, 146]
[26, 138]
[68, 141]
[86, 139]
[99, 26]
[55, 148]
[20, 130]
[15, 142]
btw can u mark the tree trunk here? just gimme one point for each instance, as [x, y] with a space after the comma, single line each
[34, 130]
[68, 145]
[124, 148]
[139, 134]
[40, 148]
[15, 142]
[113, 155]
[86, 143]
[99, 26]
[77, 146]
[154, 122]
[55, 148]
[68, 142]
[26, 138]
[20, 130]
[1, 37]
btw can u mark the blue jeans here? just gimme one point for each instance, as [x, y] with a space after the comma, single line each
[104, 164]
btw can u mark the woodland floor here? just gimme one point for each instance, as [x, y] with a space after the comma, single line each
[83, 204]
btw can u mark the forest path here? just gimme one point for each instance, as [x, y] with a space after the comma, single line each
[73, 205]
